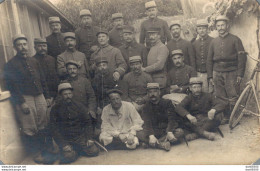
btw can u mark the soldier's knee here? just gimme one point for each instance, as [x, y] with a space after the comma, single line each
[178, 133]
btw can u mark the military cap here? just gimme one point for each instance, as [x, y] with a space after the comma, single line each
[114, 91]
[128, 29]
[176, 52]
[195, 80]
[202, 22]
[69, 35]
[153, 86]
[54, 20]
[64, 86]
[117, 15]
[221, 18]
[102, 31]
[19, 36]
[175, 22]
[153, 29]
[39, 40]
[85, 12]
[150, 4]
[100, 59]
[72, 62]
[135, 59]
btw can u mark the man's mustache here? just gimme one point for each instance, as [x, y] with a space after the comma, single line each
[152, 96]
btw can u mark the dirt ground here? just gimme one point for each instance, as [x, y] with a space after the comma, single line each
[239, 146]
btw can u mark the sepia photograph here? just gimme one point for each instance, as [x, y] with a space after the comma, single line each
[129, 82]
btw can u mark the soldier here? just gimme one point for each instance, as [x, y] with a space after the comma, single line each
[48, 64]
[201, 47]
[202, 111]
[161, 126]
[116, 34]
[178, 43]
[72, 127]
[135, 82]
[71, 54]
[156, 58]
[179, 76]
[226, 63]
[120, 122]
[82, 89]
[131, 47]
[116, 62]
[55, 41]
[26, 82]
[153, 21]
[86, 34]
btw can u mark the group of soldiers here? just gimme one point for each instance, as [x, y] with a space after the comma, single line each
[95, 88]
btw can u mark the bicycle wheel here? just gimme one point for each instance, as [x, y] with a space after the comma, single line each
[240, 106]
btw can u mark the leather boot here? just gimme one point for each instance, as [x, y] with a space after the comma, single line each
[209, 135]
[164, 145]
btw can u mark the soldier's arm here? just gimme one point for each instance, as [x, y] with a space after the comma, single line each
[124, 87]
[120, 62]
[160, 61]
[218, 104]
[181, 108]
[77, 39]
[62, 71]
[86, 66]
[241, 66]
[43, 81]
[144, 54]
[172, 116]
[87, 121]
[136, 119]
[142, 34]
[92, 104]
[167, 31]
[191, 55]
[210, 60]
[145, 115]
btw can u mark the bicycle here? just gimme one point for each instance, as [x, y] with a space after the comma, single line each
[242, 103]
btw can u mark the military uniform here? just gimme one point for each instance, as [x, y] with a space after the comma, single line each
[116, 37]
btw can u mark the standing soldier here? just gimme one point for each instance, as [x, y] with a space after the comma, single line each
[135, 82]
[86, 34]
[26, 82]
[116, 62]
[178, 43]
[48, 65]
[157, 57]
[153, 21]
[201, 47]
[131, 47]
[226, 63]
[71, 54]
[55, 41]
[116, 34]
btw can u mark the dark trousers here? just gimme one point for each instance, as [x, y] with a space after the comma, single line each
[80, 147]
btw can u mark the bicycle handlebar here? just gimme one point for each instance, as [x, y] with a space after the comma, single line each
[257, 60]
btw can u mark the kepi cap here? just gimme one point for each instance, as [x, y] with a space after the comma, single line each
[100, 59]
[114, 91]
[72, 62]
[117, 15]
[153, 86]
[150, 4]
[135, 59]
[69, 35]
[202, 22]
[128, 29]
[176, 52]
[221, 18]
[175, 22]
[39, 40]
[64, 86]
[54, 20]
[195, 80]
[19, 36]
[85, 12]
[102, 31]
[153, 29]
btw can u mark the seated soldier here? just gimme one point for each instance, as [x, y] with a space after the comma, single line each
[71, 126]
[120, 122]
[135, 83]
[161, 124]
[202, 111]
[178, 77]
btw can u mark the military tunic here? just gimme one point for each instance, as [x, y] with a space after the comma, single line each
[56, 45]
[116, 37]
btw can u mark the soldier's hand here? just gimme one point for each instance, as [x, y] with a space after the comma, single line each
[171, 137]
[90, 143]
[192, 119]
[49, 102]
[211, 114]
[123, 137]
[143, 69]
[25, 108]
[211, 81]
[130, 139]
[92, 114]
[67, 148]
[116, 76]
[99, 111]
[152, 140]
[93, 48]
[239, 79]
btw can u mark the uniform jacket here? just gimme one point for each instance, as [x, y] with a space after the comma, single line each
[56, 45]
[24, 76]
[116, 37]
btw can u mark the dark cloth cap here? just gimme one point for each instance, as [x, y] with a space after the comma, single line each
[100, 59]
[114, 91]
[39, 40]
[102, 31]
[19, 36]
[128, 29]
[153, 29]
[69, 35]
[72, 62]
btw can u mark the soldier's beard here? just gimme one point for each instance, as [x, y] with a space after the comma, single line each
[103, 71]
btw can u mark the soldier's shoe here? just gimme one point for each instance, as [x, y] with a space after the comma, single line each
[191, 136]
[45, 158]
[144, 145]
[164, 145]
[209, 135]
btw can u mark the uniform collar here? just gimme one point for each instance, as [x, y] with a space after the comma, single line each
[225, 35]
[176, 40]
[205, 38]
[132, 44]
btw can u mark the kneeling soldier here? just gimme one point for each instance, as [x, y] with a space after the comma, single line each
[160, 120]
[71, 126]
[203, 112]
